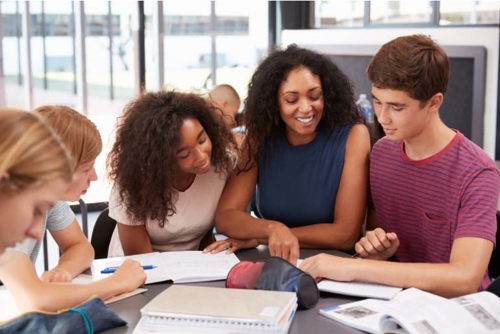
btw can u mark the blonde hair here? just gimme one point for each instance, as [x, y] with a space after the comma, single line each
[30, 152]
[77, 132]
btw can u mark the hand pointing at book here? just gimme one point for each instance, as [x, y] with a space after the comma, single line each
[377, 244]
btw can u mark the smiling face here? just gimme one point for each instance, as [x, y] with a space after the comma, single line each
[301, 105]
[194, 153]
[22, 214]
[82, 177]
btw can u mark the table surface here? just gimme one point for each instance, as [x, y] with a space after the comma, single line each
[305, 321]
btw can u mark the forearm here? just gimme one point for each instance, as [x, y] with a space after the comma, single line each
[327, 236]
[51, 297]
[134, 239]
[76, 259]
[240, 225]
[443, 279]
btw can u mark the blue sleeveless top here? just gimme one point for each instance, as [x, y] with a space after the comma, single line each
[297, 185]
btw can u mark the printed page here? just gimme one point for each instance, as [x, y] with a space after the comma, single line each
[196, 266]
[364, 315]
[361, 289]
[484, 307]
[179, 267]
[420, 312]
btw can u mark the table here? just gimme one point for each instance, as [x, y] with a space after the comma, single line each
[305, 321]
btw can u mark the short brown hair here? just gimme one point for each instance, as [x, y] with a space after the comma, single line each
[414, 64]
[76, 131]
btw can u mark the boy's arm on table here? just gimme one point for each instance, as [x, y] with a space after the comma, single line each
[77, 254]
[462, 275]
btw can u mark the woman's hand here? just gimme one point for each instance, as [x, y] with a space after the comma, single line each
[283, 243]
[230, 245]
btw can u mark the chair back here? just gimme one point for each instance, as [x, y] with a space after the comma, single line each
[101, 235]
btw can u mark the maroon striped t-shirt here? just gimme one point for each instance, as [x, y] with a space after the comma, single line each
[429, 203]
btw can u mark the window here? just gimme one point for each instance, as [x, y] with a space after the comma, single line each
[469, 12]
[401, 12]
[356, 13]
[344, 13]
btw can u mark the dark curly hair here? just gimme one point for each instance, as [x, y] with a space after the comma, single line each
[262, 113]
[142, 160]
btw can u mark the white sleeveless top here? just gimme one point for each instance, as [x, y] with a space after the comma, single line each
[195, 210]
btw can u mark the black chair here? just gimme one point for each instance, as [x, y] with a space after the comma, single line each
[101, 235]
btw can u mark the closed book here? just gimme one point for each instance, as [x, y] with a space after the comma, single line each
[184, 308]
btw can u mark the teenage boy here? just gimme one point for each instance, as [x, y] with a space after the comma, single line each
[434, 191]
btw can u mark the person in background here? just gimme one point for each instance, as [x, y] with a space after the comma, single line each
[305, 156]
[227, 99]
[434, 191]
[53, 290]
[169, 164]
[34, 172]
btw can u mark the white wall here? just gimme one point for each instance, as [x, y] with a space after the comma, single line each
[487, 37]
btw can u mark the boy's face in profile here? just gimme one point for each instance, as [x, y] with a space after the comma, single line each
[82, 177]
[401, 116]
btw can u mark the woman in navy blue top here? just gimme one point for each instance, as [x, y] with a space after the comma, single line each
[305, 158]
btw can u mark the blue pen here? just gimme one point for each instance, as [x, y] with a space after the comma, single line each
[110, 270]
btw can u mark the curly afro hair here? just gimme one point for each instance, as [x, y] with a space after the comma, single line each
[142, 161]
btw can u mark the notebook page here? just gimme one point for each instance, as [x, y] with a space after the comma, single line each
[179, 266]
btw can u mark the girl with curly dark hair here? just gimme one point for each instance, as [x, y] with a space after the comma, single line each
[305, 157]
[169, 165]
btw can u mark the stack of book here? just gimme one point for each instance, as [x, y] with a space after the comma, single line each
[199, 309]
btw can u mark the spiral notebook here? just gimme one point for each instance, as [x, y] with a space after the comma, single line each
[200, 309]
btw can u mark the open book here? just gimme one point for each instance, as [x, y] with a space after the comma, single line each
[200, 309]
[179, 267]
[415, 311]
[360, 289]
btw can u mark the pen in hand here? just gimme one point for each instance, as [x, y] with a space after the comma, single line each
[110, 270]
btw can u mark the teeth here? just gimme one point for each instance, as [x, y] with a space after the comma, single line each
[304, 120]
